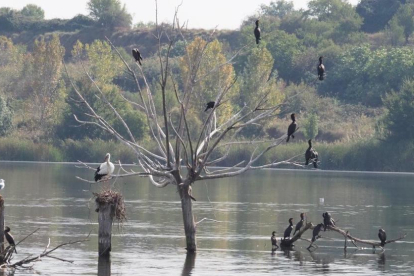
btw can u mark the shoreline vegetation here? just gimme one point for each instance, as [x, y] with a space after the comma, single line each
[363, 155]
[357, 116]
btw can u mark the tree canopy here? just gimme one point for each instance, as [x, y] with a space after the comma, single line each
[109, 13]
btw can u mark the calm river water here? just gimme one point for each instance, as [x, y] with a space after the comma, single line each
[49, 197]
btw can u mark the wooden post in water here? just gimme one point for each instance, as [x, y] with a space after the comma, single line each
[106, 213]
[104, 265]
[1, 223]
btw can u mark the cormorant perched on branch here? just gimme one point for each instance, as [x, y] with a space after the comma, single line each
[257, 32]
[316, 230]
[274, 241]
[300, 223]
[327, 220]
[9, 238]
[137, 55]
[382, 236]
[321, 69]
[292, 127]
[209, 105]
[288, 229]
[311, 155]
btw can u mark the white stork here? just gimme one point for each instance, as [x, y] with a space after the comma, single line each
[2, 184]
[104, 170]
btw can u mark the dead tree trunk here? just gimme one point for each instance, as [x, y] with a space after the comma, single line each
[188, 217]
[106, 213]
[1, 223]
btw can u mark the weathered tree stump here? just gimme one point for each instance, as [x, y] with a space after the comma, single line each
[110, 205]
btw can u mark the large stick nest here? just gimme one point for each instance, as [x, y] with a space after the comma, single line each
[110, 197]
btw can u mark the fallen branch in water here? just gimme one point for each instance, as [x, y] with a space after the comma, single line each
[7, 254]
[290, 242]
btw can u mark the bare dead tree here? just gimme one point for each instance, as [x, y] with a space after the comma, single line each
[180, 158]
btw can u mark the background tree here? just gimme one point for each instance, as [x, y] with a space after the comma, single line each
[279, 8]
[46, 85]
[400, 109]
[404, 17]
[33, 11]
[110, 13]
[6, 116]
[310, 126]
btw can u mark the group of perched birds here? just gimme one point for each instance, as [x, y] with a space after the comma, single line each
[328, 221]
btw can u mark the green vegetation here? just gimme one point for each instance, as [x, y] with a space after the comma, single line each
[356, 115]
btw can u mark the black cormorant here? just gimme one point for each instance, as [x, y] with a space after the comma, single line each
[382, 236]
[209, 105]
[137, 55]
[292, 127]
[257, 32]
[9, 238]
[327, 220]
[288, 229]
[273, 240]
[316, 230]
[321, 69]
[300, 223]
[311, 155]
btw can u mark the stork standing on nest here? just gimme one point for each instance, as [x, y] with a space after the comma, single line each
[104, 171]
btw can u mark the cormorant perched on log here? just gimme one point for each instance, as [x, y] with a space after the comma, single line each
[382, 236]
[137, 55]
[327, 220]
[9, 238]
[316, 230]
[311, 155]
[209, 105]
[288, 229]
[274, 241]
[257, 32]
[292, 127]
[321, 69]
[300, 223]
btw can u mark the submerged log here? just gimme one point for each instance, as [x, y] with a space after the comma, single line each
[358, 240]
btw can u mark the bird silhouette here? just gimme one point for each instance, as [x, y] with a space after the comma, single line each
[292, 127]
[257, 32]
[288, 229]
[327, 220]
[321, 69]
[274, 241]
[137, 55]
[9, 238]
[209, 105]
[300, 223]
[382, 236]
[316, 230]
[311, 155]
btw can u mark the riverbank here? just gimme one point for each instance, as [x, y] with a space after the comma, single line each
[371, 155]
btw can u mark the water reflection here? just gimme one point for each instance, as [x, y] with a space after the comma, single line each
[104, 266]
[249, 208]
[189, 264]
